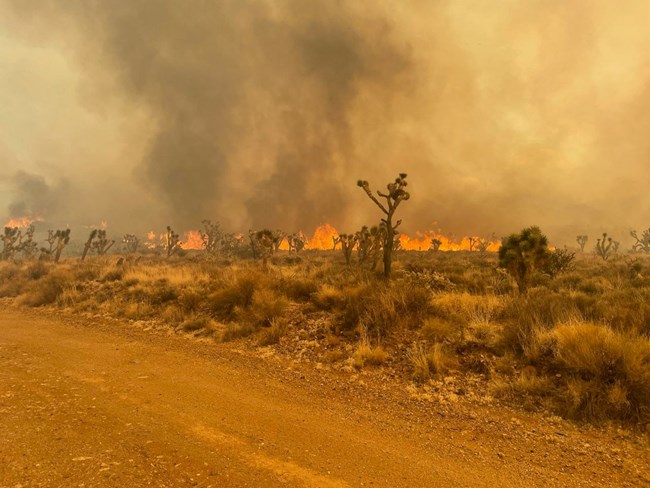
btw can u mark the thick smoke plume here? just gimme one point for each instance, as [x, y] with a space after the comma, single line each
[263, 113]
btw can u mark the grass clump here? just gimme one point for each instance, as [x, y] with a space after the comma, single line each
[427, 361]
[368, 355]
[608, 372]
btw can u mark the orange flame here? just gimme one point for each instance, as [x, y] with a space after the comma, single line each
[322, 237]
[22, 221]
[422, 242]
[192, 240]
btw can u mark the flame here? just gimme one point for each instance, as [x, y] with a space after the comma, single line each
[22, 221]
[422, 242]
[322, 237]
[192, 240]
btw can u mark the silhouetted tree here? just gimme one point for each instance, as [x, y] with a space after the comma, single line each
[521, 254]
[396, 194]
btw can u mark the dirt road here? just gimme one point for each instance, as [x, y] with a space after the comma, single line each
[113, 405]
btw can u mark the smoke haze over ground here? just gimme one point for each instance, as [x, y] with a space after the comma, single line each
[265, 113]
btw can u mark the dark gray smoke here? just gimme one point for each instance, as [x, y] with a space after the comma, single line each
[264, 113]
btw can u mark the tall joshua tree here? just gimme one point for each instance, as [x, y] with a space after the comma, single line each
[396, 194]
[521, 254]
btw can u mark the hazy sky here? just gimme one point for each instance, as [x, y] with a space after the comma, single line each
[264, 113]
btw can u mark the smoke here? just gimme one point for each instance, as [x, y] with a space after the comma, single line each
[264, 113]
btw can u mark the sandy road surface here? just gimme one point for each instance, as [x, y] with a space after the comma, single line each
[116, 406]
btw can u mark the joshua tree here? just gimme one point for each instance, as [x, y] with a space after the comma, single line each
[296, 242]
[364, 243]
[473, 241]
[348, 242]
[57, 242]
[278, 237]
[27, 244]
[435, 244]
[131, 243]
[232, 244]
[521, 254]
[396, 194]
[88, 243]
[62, 238]
[604, 247]
[335, 242]
[397, 243]
[172, 242]
[642, 244]
[102, 244]
[377, 236]
[98, 242]
[211, 237]
[10, 242]
[582, 241]
[482, 245]
[263, 244]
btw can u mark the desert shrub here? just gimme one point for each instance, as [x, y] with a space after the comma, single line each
[162, 292]
[46, 290]
[190, 300]
[236, 331]
[112, 275]
[36, 270]
[196, 322]
[625, 310]
[427, 361]
[436, 329]
[273, 334]
[608, 372]
[299, 290]
[381, 308]
[329, 298]
[267, 306]
[87, 272]
[222, 303]
[368, 355]
[139, 310]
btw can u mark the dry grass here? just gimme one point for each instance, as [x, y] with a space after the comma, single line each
[584, 334]
[368, 355]
[426, 361]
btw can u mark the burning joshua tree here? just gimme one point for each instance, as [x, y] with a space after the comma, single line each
[396, 195]
[296, 242]
[131, 243]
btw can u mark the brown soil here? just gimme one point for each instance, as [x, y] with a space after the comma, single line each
[117, 405]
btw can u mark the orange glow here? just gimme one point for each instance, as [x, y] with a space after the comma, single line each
[22, 221]
[192, 240]
[322, 238]
[422, 242]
